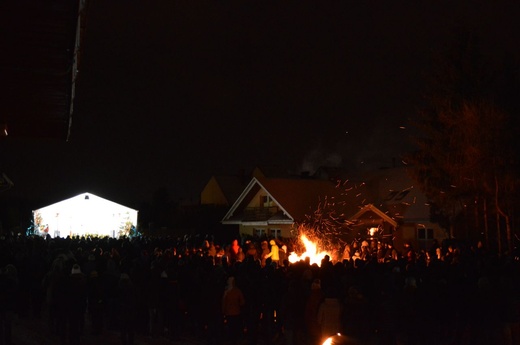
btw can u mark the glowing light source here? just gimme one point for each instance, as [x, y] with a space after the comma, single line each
[337, 339]
[85, 214]
[312, 252]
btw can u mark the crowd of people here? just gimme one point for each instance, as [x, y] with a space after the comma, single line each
[247, 291]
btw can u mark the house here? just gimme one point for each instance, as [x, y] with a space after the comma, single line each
[395, 193]
[85, 214]
[371, 222]
[223, 190]
[382, 204]
[271, 206]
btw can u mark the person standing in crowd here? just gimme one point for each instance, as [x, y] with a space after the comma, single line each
[251, 251]
[381, 252]
[214, 282]
[169, 303]
[126, 306]
[265, 251]
[209, 249]
[391, 253]
[365, 251]
[96, 302]
[283, 254]
[8, 302]
[274, 254]
[336, 255]
[346, 252]
[329, 314]
[76, 303]
[409, 253]
[205, 248]
[312, 305]
[234, 252]
[232, 303]
[55, 286]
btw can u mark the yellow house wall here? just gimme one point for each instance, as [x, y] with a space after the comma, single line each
[249, 229]
[255, 201]
[212, 194]
[408, 232]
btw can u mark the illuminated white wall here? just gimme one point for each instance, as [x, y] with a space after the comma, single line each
[84, 214]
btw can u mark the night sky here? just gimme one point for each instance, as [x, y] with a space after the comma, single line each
[173, 92]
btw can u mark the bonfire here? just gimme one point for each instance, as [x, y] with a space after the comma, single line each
[312, 252]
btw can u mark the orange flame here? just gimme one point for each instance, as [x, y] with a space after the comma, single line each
[311, 252]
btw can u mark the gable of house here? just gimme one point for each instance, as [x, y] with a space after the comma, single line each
[222, 190]
[294, 197]
[394, 192]
[282, 202]
[371, 215]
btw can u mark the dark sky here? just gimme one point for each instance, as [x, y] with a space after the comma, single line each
[172, 92]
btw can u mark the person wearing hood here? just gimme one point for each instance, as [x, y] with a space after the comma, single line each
[127, 309]
[274, 254]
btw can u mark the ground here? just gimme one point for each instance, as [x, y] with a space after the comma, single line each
[34, 331]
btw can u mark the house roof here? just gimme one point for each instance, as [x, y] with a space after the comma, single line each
[271, 171]
[397, 194]
[331, 173]
[389, 194]
[300, 197]
[231, 186]
[297, 198]
[377, 211]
